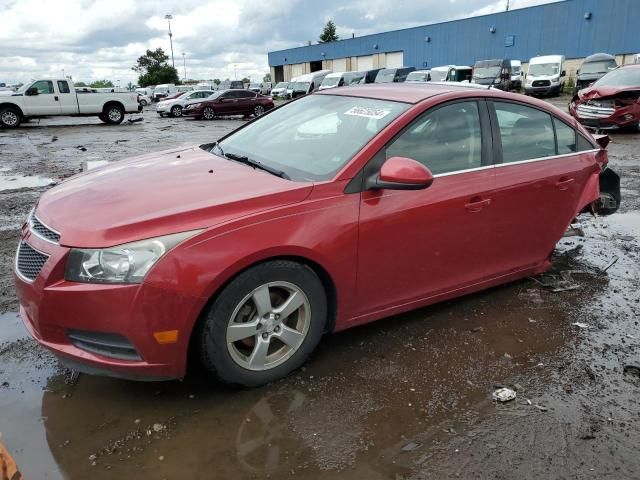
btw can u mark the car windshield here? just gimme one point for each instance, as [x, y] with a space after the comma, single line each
[544, 69]
[313, 138]
[597, 67]
[385, 76]
[439, 75]
[301, 86]
[354, 80]
[330, 81]
[486, 72]
[417, 77]
[281, 85]
[622, 77]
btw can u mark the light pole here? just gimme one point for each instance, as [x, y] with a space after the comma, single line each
[184, 64]
[169, 17]
[235, 73]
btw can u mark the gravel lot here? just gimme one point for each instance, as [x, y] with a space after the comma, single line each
[406, 397]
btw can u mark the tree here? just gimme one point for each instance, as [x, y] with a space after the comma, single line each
[267, 77]
[329, 33]
[130, 87]
[246, 80]
[154, 69]
[101, 84]
[217, 81]
[80, 84]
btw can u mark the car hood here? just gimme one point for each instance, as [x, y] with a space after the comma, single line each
[601, 92]
[158, 194]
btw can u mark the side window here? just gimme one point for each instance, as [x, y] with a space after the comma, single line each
[584, 144]
[63, 86]
[446, 139]
[566, 137]
[43, 86]
[526, 133]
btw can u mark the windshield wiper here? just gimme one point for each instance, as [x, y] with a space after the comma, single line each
[255, 164]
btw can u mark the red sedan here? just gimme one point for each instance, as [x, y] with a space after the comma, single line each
[335, 210]
[229, 102]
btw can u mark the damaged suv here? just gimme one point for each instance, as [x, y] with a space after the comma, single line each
[340, 208]
[611, 102]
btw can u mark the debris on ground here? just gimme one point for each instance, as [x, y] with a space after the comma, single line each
[82, 148]
[632, 370]
[135, 120]
[580, 325]
[504, 394]
[610, 264]
[564, 283]
[411, 446]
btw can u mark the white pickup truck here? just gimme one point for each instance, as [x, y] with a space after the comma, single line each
[55, 96]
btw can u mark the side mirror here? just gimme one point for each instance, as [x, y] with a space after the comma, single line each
[564, 73]
[602, 140]
[401, 173]
[32, 91]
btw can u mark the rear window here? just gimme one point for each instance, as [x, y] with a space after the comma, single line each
[526, 133]
[566, 137]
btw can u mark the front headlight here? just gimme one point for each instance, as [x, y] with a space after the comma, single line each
[127, 263]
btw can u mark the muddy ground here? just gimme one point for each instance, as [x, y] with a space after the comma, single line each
[406, 397]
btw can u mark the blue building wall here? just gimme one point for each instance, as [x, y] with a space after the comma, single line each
[556, 28]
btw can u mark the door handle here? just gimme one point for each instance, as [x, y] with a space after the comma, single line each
[563, 183]
[55, 98]
[476, 205]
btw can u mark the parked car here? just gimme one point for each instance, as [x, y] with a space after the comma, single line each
[144, 100]
[55, 96]
[613, 101]
[341, 208]
[419, 76]
[393, 75]
[163, 91]
[355, 78]
[516, 74]
[184, 88]
[173, 107]
[593, 68]
[255, 87]
[545, 76]
[308, 83]
[451, 73]
[280, 90]
[496, 73]
[229, 102]
[333, 80]
[266, 88]
[231, 84]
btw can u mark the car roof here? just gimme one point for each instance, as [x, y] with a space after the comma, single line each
[398, 92]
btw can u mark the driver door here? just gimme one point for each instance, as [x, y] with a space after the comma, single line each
[46, 102]
[418, 244]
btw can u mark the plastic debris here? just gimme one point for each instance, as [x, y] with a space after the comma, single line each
[580, 325]
[610, 264]
[411, 446]
[135, 120]
[504, 394]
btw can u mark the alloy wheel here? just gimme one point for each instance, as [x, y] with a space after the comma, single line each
[114, 114]
[268, 326]
[10, 118]
[259, 110]
[208, 113]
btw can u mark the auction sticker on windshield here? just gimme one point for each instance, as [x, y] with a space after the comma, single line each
[368, 112]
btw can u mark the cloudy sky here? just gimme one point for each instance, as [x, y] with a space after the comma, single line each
[96, 39]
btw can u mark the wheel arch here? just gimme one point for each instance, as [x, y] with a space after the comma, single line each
[113, 102]
[226, 278]
[12, 105]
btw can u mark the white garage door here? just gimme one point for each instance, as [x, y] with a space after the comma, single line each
[297, 70]
[394, 60]
[340, 65]
[365, 63]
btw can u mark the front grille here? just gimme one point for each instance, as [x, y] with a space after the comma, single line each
[111, 345]
[541, 83]
[591, 111]
[29, 261]
[43, 231]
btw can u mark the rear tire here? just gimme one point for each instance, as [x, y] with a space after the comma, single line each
[10, 117]
[176, 111]
[208, 113]
[113, 114]
[143, 103]
[253, 310]
[258, 110]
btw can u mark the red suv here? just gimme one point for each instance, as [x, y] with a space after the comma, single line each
[334, 210]
[229, 102]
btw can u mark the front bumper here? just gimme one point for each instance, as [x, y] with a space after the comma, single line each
[52, 309]
[163, 108]
[546, 90]
[605, 118]
[192, 112]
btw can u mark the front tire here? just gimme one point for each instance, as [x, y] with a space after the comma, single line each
[10, 117]
[208, 113]
[143, 103]
[176, 111]
[258, 110]
[264, 324]
[113, 114]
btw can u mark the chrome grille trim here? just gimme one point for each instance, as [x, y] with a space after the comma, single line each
[29, 262]
[589, 111]
[43, 231]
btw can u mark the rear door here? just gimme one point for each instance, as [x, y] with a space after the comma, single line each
[246, 101]
[417, 244]
[46, 102]
[67, 98]
[538, 183]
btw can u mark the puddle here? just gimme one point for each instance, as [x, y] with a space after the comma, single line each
[11, 328]
[15, 182]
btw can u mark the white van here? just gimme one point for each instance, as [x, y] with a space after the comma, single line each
[308, 83]
[545, 76]
[204, 86]
[332, 80]
[164, 90]
[516, 74]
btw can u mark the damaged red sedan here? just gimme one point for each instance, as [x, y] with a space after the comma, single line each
[611, 102]
[332, 211]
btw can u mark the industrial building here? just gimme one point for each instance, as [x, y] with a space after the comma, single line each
[573, 28]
